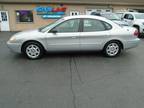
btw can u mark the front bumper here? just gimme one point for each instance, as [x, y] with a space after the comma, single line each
[14, 47]
[131, 43]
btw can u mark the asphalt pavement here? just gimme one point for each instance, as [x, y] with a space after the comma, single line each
[76, 80]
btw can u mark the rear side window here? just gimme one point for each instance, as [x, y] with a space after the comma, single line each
[107, 26]
[92, 25]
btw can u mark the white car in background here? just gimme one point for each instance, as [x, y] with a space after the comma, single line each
[115, 18]
[75, 33]
[136, 20]
[111, 16]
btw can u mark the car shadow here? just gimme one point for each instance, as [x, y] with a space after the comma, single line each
[87, 54]
[76, 54]
[63, 54]
[73, 54]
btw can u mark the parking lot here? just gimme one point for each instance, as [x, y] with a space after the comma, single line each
[77, 80]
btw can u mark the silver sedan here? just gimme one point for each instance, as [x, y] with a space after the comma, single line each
[75, 33]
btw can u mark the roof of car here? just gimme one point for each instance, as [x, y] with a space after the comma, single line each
[85, 16]
[90, 17]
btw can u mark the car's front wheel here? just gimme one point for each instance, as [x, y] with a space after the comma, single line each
[112, 49]
[33, 50]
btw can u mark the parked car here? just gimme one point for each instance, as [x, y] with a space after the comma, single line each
[136, 20]
[75, 33]
[96, 13]
[112, 16]
[115, 18]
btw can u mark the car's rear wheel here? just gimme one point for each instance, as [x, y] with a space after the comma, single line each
[112, 49]
[33, 50]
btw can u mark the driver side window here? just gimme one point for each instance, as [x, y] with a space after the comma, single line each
[68, 26]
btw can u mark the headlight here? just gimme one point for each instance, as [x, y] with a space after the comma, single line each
[12, 39]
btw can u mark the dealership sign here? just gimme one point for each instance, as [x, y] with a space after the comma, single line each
[49, 12]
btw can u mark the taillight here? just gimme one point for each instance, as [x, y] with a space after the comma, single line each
[136, 33]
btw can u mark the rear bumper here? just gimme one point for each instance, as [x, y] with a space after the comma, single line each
[131, 43]
[14, 47]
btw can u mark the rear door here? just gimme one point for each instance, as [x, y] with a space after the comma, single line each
[93, 34]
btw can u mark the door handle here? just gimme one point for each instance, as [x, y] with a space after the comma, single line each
[73, 37]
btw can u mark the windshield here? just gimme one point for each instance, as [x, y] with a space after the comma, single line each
[119, 15]
[111, 16]
[139, 16]
[47, 27]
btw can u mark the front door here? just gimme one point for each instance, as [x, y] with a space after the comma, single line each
[4, 24]
[64, 36]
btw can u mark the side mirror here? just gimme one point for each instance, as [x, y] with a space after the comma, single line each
[54, 31]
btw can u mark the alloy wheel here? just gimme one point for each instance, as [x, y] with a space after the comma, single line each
[112, 49]
[32, 51]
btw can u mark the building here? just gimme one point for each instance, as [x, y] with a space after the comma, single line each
[17, 15]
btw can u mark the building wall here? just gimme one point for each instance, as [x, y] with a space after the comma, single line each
[125, 8]
[38, 21]
[16, 26]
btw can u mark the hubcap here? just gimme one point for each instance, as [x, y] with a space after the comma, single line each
[33, 51]
[112, 49]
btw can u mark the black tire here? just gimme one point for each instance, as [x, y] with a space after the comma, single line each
[38, 48]
[118, 48]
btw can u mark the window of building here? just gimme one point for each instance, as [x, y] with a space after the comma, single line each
[24, 16]
[108, 10]
[4, 16]
[90, 11]
[72, 13]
